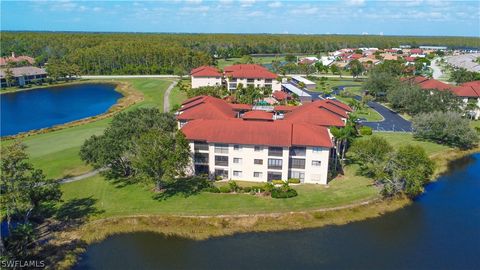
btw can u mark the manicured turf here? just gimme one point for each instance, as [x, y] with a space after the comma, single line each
[221, 63]
[368, 113]
[56, 153]
[475, 123]
[177, 96]
[397, 139]
[334, 82]
[136, 199]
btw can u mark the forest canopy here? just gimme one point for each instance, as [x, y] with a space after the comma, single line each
[137, 53]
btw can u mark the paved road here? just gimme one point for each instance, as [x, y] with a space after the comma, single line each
[82, 176]
[392, 121]
[166, 97]
[437, 71]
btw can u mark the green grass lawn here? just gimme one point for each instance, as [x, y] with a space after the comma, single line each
[397, 139]
[368, 113]
[177, 96]
[475, 123]
[334, 82]
[221, 63]
[56, 153]
[136, 199]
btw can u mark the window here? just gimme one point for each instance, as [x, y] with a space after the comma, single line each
[274, 176]
[297, 163]
[237, 173]
[250, 80]
[316, 163]
[257, 174]
[237, 147]
[258, 161]
[274, 163]
[221, 148]
[223, 174]
[299, 175]
[275, 151]
[237, 160]
[221, 160]
[258, 148]
[298, 151]
[317, 149]
[268, 80]
[201, 158]
[200, 146]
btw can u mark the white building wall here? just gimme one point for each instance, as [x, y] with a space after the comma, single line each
[206, 81]
[477, 111]
[276, 85]
[247, 166]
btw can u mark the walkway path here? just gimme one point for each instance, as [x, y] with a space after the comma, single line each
[437, 71]
[166, 97]
[82, 176]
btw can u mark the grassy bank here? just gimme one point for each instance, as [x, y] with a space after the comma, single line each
[56, 152]
[112, 199]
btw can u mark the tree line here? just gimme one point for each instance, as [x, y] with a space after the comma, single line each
[134, 53]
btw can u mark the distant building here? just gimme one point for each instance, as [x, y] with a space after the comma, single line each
[435, 48]
[23, 75]
[16, 59]
[206, 76]
[245, 74]
[308, 84]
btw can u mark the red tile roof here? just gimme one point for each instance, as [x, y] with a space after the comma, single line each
[5, 60]
[250, 71]
[426, 83]
[469, 89]
[314, 115]
[205, 71]
[273, 133]
[206, 108]
[340, 104]
[241, 107]
[417, 51]
[258, 115]
[280, 95]
[409, 59]
[355, 56]
[284, 108]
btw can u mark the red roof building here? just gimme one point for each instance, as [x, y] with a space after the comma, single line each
[249, 71]
[281, 95]
[258, 115]
[15, 59]
[205, 71]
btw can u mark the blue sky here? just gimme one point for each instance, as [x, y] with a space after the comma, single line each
[411, 17]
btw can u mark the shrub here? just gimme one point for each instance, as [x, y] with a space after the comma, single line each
[234, 186]
[268, 187]
[278, 182]
[212, 189]
[258, 188]
[294, 181]
[225, 189]
[247, 189]
[218, 178]
[365, 131]
[283, 192]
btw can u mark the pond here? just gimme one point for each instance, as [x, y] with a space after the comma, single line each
[440, 230]
[46, 107]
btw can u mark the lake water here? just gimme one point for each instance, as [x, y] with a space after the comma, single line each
[41, 108]
[440, 230]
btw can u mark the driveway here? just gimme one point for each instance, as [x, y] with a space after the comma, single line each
[392, 121]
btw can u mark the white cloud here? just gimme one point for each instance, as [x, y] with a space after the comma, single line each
[256, 14]
[196, 2]
[355, 2]
[247, 3]
[195, 9]
[276, 4]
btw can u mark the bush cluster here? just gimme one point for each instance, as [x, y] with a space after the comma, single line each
[294, 181]
[266, 189]
[365, 131]
[277, 182]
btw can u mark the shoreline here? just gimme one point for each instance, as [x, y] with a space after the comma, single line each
[130, 96]
[206, 226]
